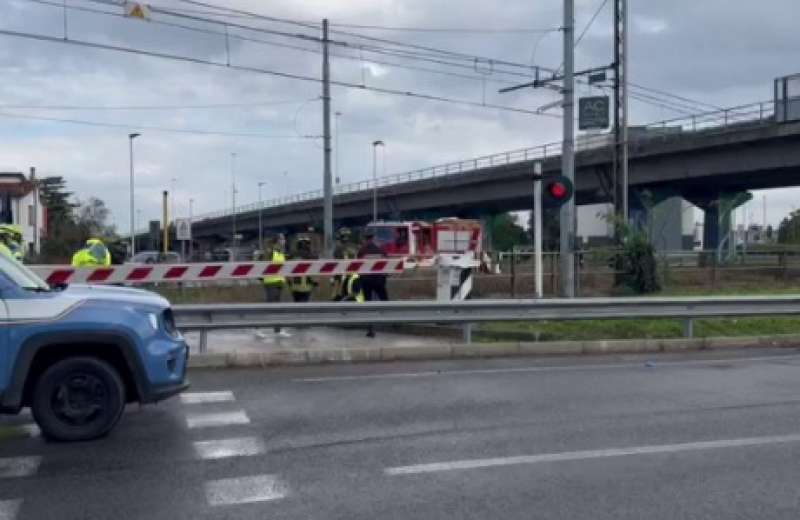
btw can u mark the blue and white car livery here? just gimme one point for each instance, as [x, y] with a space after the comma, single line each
[77, 355]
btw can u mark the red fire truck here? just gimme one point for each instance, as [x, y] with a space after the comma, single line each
[422, 241]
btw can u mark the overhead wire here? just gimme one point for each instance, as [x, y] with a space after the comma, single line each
[153, 128]
[276, 73]
[212, 106]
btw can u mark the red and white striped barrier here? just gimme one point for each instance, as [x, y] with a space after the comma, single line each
[157, 273]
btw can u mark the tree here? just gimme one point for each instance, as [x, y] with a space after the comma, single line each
[506, 232]
[636, 262]
[789, 230]
[70, 223]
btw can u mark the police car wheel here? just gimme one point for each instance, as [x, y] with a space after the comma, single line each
[78, 399]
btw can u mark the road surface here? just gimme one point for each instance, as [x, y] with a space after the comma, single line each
[705, 435]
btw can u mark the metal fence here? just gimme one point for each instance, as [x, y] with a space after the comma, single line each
[734, 118]
[205, 318]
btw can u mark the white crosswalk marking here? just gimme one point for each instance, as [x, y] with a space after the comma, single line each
[19, 466]
[9, 509]
[245, 490]
[207, 397]
[224, 448]
[207, 420]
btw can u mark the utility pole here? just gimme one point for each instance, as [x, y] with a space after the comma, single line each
[191, 218]
[327, 217]
[620, 162]
[568, 222]
[131, 137]
[260, 222]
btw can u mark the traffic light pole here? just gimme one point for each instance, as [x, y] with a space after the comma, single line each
[537, 227]
[568, 221]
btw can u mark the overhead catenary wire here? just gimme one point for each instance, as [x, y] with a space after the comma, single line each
[398, 53]
[153, 128]
[211, 106]
[276, 73]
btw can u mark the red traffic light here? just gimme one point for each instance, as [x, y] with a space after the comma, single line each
[558, 190]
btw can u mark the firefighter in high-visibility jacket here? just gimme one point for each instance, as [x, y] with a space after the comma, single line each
[344, 250]
[353, 292]
[302, 286]
[94, 254]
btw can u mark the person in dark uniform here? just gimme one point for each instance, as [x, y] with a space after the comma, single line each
[372, 285]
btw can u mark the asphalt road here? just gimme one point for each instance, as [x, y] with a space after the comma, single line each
[700, 436]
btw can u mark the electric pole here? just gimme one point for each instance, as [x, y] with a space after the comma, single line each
[327, 217]
[620, 163]
[568, 222]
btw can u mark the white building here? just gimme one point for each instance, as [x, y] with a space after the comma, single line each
[670, 224]
[20, 204]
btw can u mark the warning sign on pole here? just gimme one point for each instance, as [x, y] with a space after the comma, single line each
[183, 229]
[137, 10]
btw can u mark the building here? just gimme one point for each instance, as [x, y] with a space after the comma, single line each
[20, 204]
[670, 225]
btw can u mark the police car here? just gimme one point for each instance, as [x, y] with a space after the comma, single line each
[77, 355]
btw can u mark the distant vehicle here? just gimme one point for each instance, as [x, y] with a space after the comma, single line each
[76, 356]
[422, 241]
[155, 257]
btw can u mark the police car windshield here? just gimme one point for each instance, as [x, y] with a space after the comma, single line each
[21, 275]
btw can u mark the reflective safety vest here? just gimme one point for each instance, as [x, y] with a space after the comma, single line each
[95, 255]
[277, 258]
[301, 284]
[354, 291]
[4, 250]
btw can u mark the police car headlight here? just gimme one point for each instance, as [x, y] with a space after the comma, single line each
[153, 320]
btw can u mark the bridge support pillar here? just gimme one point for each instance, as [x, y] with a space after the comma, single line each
[718, 208]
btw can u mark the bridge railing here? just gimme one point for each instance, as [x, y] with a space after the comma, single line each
[713, 121]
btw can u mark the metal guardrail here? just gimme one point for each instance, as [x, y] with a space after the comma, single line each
[205, 318]
[702, 123]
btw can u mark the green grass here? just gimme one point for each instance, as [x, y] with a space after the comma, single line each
[635, 329]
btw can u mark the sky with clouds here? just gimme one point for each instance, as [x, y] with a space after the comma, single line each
[715, 52]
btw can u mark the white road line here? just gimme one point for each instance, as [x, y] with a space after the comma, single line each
[9, 509]
[245, 490]
[224, 448]
[207, 397]
[589, 454]
[553, 368]
[19, 466]
[207, 420]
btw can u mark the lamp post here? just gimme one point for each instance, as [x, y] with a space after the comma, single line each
[233, 197]
[131, 137]
[375, 145]
[191, 217]
[260, 226]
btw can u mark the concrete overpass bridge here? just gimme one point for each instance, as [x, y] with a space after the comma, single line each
[703, 158]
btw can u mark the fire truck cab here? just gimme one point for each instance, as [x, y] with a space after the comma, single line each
[421, 241]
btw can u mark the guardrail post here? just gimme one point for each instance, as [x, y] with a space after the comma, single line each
[203, 347]
[513, 274]
[688, 328]
[467, 331]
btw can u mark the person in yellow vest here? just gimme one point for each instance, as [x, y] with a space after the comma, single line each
[11, 238]
[5, 251]
[273, 284]
[302, 286]
[353, 292]
[94, 254]
[344, 250]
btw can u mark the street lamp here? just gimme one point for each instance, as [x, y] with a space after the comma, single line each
[260, 226]
[336, 120]
[375, 145]
[131, 137]
[191, 217]
[233, 197]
